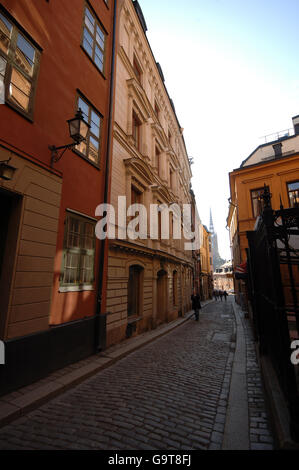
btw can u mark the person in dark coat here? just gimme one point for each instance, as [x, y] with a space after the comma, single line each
[196, 305]
[220, 295]
[225, 294]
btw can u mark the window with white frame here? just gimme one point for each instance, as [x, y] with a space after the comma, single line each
[78, 252]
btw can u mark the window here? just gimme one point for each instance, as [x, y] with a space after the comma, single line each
[158, 154]
[135, 196]
[91, 148]
[134, 290]
[175, 288]
[79, 252]
[257, 201]
[94, 38]
[157, 110]
[136, 128]
[159, 221]
[293, 192]
[137, 69]
[19, 63]
[171, 178]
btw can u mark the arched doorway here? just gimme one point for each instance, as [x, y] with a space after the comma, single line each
[161, 296]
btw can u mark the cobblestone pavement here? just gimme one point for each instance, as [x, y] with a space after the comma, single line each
[170, 394]
[259, 427]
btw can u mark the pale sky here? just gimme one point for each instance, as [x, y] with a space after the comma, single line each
[231, 68]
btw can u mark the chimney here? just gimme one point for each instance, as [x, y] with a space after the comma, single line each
[277, 149]
[295, 120]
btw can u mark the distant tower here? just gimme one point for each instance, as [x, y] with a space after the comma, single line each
[211, 223]
[217, 260]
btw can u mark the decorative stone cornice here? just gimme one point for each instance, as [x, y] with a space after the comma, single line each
[140, 98]
[132, 248]
[139, 167]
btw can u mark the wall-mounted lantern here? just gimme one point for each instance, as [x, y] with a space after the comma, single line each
[78, 129]
[6, 171]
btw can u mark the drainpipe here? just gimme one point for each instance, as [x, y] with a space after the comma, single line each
[100, 320]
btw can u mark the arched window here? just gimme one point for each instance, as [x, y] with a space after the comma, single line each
[135, 284]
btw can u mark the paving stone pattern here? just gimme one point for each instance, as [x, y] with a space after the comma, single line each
[259, 424]
[170, 394]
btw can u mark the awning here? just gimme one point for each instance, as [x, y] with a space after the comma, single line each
[241, 271]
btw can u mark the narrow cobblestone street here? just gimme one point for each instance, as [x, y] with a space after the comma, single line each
[171, 394]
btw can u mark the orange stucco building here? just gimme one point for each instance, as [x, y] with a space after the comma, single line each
[55, 57]
[274, 164]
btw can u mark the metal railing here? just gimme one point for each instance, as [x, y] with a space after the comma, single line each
[273, 259]
[278, 135]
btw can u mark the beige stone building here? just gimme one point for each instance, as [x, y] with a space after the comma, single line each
[149, 280]
[223, 277]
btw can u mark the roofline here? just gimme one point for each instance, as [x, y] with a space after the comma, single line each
[267, 145]
[296, 154]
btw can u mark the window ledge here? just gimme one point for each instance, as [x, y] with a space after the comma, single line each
[134, 319]
[94, 64]
[95, 165]
[75, 288]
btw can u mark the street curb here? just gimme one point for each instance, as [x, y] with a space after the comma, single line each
[236, 431]
[12, 409]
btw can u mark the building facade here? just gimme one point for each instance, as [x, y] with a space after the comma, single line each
[275, 165]
[55, 57]
[223, 277]
[206, 264]
[217, 260]
[149, 280]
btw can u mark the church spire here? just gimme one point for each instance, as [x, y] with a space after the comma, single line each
[217, 260]
[211, 223]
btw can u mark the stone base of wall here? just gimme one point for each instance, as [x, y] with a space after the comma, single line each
[33, 357]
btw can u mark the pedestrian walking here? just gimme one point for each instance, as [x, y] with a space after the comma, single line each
[220, 295]
[196, 305]
[215, 294]
[225, 294]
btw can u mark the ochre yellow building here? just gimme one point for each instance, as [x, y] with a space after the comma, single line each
[206, 275]
[274, 164]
